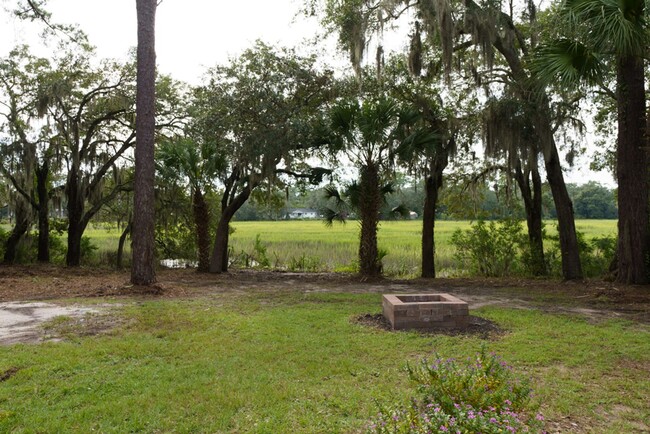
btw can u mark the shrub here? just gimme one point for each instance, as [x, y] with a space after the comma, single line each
[596, 254]
[175, 242]
[489, 250]
[305, 263]
[261, 255]
[479, 395]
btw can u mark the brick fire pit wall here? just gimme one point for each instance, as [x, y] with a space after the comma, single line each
[425, 311]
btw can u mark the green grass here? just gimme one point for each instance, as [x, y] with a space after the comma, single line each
[290, 362]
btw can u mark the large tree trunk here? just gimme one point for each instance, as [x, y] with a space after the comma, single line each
[143, 267]
[23, 212]
[369, 205]
[432, 185]
[632, 172]
[202, 222]
[219, 259]
[571, 267]
[532, 196]
[75, 221]
[43, 212]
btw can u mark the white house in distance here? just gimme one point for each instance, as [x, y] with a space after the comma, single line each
[303, 213]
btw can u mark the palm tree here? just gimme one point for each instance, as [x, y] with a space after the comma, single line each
[185, 159]
[602, 33]
[365, 132]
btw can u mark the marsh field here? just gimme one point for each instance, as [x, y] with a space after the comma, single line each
[311, 246]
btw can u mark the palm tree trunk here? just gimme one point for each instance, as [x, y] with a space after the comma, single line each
[143, 270]
[632, 172]
[202, 222]
[369, 206]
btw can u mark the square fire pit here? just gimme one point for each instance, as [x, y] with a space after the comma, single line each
[425, 311]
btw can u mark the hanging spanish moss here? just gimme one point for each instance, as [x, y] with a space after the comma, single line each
[379, 59]
[415, 52]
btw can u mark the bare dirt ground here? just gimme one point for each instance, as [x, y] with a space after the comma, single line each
[37, 284]
[593, 298]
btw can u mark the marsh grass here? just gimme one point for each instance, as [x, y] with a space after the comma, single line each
[335, 248]
[265, 362]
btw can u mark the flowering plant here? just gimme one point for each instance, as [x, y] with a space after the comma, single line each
[479, 395]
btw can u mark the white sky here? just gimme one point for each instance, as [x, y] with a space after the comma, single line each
[192, 35]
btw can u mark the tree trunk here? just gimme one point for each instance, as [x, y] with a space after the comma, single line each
[432, 185]
[43, 212]
[632, 172]
[120, 245]
[369, 205]
[533, 206]
[219, 259]
[143, 267]
[571, 268]
[202, 222]
[75, 221]
[23, 212]
[73, 257]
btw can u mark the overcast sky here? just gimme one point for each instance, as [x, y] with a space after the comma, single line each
[192, 35]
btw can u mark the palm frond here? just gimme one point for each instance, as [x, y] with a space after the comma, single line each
[330, 216]
[386, 189]
[400, 211]
[353, 193]
[567, 62]
[330, 192]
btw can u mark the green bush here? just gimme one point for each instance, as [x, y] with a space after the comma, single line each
[176, 241]
[478, 395]
[596, 254]
[87, 249]
[3, 240]
[489, 250]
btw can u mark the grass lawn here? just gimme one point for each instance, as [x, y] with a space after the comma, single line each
[280, 362]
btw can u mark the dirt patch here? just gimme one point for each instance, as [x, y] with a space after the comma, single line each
[596, 299]
[7, 374]
[23, 322]
[480, 327]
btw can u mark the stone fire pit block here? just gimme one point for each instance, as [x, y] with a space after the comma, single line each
[425, 311]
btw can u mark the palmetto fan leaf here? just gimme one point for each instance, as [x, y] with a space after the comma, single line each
[330, 216]
[377, 120]
[568, 62]
[612, 26]
[353, 193]
[332, 192]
